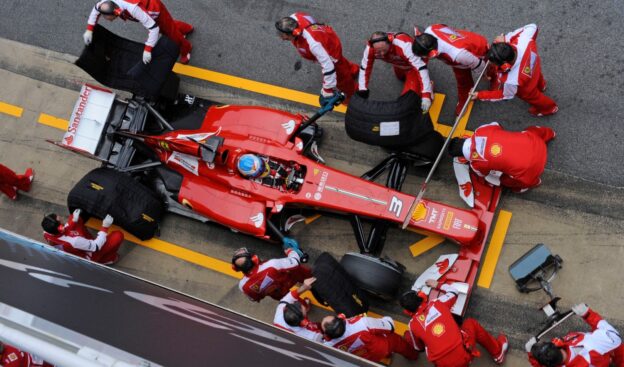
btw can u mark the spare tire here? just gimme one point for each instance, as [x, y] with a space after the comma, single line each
[134, 207]
[392, 124]
[333, 287]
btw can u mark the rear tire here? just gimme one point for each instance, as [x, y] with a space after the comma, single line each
[133, 206]
[379, 277]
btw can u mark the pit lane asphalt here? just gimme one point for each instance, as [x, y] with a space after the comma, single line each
[579, 42]
[591, 245]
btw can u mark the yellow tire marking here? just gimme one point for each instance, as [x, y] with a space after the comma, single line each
[494, 249]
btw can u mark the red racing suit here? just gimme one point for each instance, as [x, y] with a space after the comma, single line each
[309, 330]
[372, 339]
[77, 240]
[11, 182]
[154, 16]
[596, 349]
[434, 329]
[13, 357]
[320, 43]
[407, 66]
[464, 51]
[274, 277]
[525, 76]
[511, 159]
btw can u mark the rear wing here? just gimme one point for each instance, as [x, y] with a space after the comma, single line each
[88, 119]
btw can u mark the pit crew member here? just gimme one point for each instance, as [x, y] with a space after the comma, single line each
[517, 70]
[153, 15]
[598, 348]
[10, 182]
[319, 42]
[367, 337]
[292, 314]
[272, 278]
[462, 50]
[13, 357]
[74, 238]
[396, 49]
[511, 159]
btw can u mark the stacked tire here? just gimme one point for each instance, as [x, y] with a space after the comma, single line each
[134, 207]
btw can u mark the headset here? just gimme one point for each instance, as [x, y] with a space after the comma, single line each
[251, 260]
[494, 55]
[336, 327]
[115, 9]
[386, 37]
[293, 314]
[420, 43]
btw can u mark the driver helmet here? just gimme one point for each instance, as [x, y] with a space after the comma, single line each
[252, 166]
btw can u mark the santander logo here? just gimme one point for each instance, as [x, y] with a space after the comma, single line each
[443, 266]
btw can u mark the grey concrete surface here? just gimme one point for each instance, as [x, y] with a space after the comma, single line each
[591, 244]
[578, 43]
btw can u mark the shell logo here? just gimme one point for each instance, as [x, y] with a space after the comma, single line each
[496, 150]
[420, 212]
[438, 329]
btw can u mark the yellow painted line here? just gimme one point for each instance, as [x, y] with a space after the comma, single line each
[177, 251]
[251, 85]
[494, 249]
[430, 241]
[52, 121]
[12, 110]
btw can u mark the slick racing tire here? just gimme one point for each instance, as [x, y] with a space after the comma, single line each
[107, 191]
[333, 287]
[391, 124]
[379, 277]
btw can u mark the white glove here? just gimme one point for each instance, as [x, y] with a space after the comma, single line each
[530, 344]
[147, 57]
[580, 309]
[425, 105]
[76, 215]
[108, 221]
[389, 320]
[87, 36]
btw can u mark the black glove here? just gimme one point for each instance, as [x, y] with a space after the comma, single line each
[363, 93]
[324, 100]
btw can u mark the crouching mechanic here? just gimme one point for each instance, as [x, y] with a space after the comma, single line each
[396, 49]
[74, 238]
[506, 158]
[517, 70]
[272, 278]
[153, 15]
[292, 314]
[434, 329]
[366, 337]
[319, 42]
[462, 50]
[599, 348]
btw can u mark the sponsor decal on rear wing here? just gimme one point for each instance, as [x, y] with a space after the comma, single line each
[88, 119]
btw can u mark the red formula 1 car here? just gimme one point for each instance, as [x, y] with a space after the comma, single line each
[185, 154]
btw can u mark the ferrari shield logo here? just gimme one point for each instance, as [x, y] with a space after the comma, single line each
[164, 145]
[496, 150]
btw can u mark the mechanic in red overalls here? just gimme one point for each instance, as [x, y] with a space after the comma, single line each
[13, 357]
[370, 338]
[396, 49]
[464, 51]
[434, 329]
[319, 43]
[10, 182]
[292, 314]
[272, 278]
[512, 159]
[74, 238]
[153, 15]
[602, 346]
[517, 70]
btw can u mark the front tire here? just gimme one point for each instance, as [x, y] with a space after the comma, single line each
[379, 277]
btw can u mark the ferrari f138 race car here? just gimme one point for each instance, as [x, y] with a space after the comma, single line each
[182, 156]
